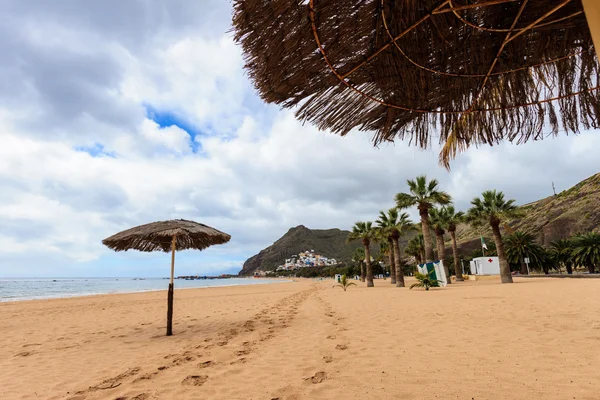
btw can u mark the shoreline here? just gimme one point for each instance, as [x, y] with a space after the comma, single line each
[86, 295]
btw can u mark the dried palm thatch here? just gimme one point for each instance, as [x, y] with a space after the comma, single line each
[166, 236]
[157, 236]
[468, 72]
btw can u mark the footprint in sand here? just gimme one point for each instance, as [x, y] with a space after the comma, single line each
[32, 344]
[206, 364]
[332, 337]
[23, 354]
[341, 347]
[195, 380]
[111, 383]
[223, 343]
[265, 337]
[328, 359]
[145, 377]
[141, 396]
[184, 359]
[318, 377]
[243, 352]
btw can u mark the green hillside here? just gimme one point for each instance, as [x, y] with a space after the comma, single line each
[575, 210]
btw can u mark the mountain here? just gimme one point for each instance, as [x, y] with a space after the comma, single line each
[330, 243]
[575, 210]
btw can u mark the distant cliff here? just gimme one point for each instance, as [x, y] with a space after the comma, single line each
[330, 243]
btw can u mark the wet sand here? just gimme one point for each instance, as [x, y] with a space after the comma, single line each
[535, 339]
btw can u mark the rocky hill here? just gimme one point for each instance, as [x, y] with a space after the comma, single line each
[329, 243]
[575, 210]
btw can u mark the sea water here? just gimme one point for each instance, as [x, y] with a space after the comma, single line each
[13, 289]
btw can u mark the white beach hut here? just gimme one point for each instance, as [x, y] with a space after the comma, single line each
[485, 266]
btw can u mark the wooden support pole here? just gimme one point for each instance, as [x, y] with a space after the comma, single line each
[592, 14]
[170, 294]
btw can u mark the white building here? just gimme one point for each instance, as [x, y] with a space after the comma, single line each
[485, 266]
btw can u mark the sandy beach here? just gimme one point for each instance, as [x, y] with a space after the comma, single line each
[535, 339]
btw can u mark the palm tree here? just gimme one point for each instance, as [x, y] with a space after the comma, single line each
[561, 252]
[439, 220]
[519, 246]
[492, 208]
[453, 219]
[586, 250]
[385, 225]
[424, 195]
[365, 232]
[424, 281]
[386, 249]
[416, 248]
[344, 283]
[359, 258]
[403, 225]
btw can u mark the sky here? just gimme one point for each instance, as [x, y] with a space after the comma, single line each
[119, 113]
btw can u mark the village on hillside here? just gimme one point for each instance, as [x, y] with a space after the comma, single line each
[305, 259]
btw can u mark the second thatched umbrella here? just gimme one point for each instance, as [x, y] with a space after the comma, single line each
[167, 236]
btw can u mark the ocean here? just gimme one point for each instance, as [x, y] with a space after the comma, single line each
[14, 289]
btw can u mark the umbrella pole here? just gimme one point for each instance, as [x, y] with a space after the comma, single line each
[170, 295]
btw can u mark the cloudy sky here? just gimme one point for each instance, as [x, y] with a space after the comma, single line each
[118, 113]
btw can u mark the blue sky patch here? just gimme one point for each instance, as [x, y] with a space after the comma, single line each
[166, 119]
[97, 150]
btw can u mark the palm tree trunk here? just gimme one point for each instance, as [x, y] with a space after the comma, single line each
[457, 266]
[392, 263]
[505, 274]
[398, 262]
[369, 268]
[441, 250]
[569, 268]
[426, 235]
[524, 268]
[591, 268]
[362, 272]
[422, 257]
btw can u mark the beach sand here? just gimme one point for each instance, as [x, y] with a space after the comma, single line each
[535, 339]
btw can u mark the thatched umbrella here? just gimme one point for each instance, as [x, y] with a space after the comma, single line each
[471, 71]
[167, 236]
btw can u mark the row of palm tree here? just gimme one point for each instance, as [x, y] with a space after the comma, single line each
[435, 211]
[583, 250]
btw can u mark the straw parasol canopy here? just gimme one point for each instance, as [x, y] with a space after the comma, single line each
[157, 236]
[462, 72]
[167, 236]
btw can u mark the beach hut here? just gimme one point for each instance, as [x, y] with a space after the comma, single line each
[485, 266]
[167, 236]
[435, 270]
[468, 72]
